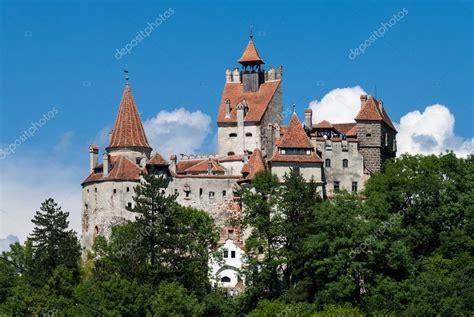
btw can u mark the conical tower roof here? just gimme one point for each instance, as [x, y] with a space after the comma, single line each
[128, 130]
[250, 55]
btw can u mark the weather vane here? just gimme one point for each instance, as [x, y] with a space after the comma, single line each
[126, 74]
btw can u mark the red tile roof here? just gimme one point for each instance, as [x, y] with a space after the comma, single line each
[257, 101]
[250, 54]
[122, 169]
[202, 167]
[181, 166]
[157, 159]
[373, 111]
[254, 165]
[295, 136]
[324, 125]
[344, 127]
[312, 158]
[128, 129]
[231, 158]
[352, 132]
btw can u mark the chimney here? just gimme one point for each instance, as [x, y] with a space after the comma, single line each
[105, 163]
[227, 108]
[308, 117]
[93, 156]
[110, 135]
[363, 100]
[173, 160]
[209, 166]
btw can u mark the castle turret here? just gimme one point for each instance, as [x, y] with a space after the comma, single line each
[252, 74]
[375, 133]
[128, 136]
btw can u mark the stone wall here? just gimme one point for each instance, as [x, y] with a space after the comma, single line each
[272, 116]
[336, 152]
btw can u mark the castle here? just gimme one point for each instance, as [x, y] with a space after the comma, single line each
[251, 138]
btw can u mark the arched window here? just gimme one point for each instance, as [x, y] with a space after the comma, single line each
[232, 135]
[225, 279]
[248, 134]
[327, 163]
[345, 163]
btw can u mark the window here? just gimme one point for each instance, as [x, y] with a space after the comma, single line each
[115, 191]
[95, 189]
[296, 170]
[260, 250]
[225, 279]
[386, 139]
[232, 254]
[368, 135]
[128, 189]
[336, 186]
[248, 134]
[354, 186]
[211, 194]
[129, 205]
[162, 191]
[226, 253]
[176, 192]
[230, 153]
[187, 193]
[230, 234]
[345, 163]
[232, 135]
[327, 163]
[224, 193]
[86, 205]
[200, 192]
[137, 160]
[88, 191]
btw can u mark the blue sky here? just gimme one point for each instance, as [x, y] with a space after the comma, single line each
[62, 54]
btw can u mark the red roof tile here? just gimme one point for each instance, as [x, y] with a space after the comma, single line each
[122, 169]
[254, 165]
[257, 101]
[128, 129]
[295, 136]
[202, 167]
[352, 132]
[324, 125]
[250, 54]
[373, 111]
[231, 158]
[344, 127]
[312, 158]
[181, 166]
[157, 159]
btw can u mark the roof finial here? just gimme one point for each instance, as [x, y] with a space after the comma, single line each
[375, 92]
[294, 107]
[251, 32]
[126, 75]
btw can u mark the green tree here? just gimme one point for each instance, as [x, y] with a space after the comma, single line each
[167, 242]
[53, 243]
[263, 246]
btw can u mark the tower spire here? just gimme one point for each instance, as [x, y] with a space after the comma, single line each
[126, 75]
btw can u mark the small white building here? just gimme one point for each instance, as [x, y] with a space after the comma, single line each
[226, 273]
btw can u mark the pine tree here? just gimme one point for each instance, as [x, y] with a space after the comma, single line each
[53, 243]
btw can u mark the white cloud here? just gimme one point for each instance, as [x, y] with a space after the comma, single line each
[427, 132]
[5, 243]
[178, 131]
[338, 106]
[431, 132]
[26, 183]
